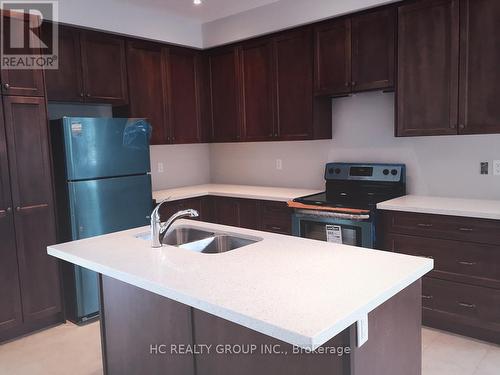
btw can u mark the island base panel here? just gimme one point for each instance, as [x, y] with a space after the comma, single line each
[134, 319]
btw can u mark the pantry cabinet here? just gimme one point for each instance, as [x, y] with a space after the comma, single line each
[31, 275]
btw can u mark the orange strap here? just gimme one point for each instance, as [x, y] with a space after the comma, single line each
[293, 204]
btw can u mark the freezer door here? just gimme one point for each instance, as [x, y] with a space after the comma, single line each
[109, 205]
[105, 147]
[99, 207]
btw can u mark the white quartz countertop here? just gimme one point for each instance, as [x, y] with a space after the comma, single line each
[300, 291]
[236, 191]
[477, 208]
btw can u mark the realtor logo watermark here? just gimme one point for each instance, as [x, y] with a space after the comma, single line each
[23, 44]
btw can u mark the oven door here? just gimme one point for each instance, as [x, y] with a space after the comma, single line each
[347, 231]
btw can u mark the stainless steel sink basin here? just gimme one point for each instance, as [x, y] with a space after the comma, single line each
[182, 235]
[219, 243]
[203, 241]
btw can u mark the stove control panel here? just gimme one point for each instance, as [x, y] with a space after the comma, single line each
[366, 172]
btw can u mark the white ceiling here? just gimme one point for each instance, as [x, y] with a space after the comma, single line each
[209, 10]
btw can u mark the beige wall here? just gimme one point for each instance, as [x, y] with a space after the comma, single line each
[363, 132]
[183, 165]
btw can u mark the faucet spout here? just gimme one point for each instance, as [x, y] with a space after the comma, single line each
[160, 229]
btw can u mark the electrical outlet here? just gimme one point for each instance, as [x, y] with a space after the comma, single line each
[279, 164]
[496, 167]
[160, 168]
[484, 167]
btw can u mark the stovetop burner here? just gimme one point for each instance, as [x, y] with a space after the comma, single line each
[359, 186]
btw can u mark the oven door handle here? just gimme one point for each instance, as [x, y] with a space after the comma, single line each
[336, 215]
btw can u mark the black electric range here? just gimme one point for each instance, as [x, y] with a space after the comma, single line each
[353, 186]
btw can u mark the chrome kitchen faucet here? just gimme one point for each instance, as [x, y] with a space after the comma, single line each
[159, 229]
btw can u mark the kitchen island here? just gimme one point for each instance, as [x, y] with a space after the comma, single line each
[258, 309]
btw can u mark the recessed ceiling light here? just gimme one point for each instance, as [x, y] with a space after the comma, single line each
[197, 2]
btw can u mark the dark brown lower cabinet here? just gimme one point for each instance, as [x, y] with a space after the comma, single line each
[462, 293]
[138, 328]
[29, 277]
[268, 216]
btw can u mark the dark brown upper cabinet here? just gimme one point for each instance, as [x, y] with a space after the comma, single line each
[165, 88]
[92, 68]
[428, 56]
[373, 55]
[479, 67]
[147, 81]
[184, 95]
[25, 82]
[224, 94]
[104, 68]
[332, 57]
[293, 55]
[66, 83]
[258, 90]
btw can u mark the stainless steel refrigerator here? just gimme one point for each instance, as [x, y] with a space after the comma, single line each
[103, 185]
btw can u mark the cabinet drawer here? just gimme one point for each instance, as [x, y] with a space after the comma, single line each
[276, 217]
[461, 261]
[478, 305]
[446, 227]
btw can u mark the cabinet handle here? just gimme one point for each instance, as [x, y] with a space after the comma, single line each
[464, 263]
[461, 126]
[353, 83]
[28, 208]
[467, 305]
[5, 212]
[424, 296]
[423, 225]
[6, 86]
[82, 95]
[466, 229]
[88, 95]
[276, 228]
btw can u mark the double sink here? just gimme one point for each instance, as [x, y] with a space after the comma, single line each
[203, 241]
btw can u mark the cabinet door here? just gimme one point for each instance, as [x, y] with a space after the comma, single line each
[183, 98]
[147, 82]
[224, 95]
[10, 308]
[373, 52]
[65, 83]
[427, 87]
[258, 86]
[30, 168]
[27, 82]
[249, 213]
[294, 75]
[332, 73]
[226, 211]
[480, 67]
[104, 68]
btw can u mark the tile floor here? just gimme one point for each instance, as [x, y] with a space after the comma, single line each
[76, 350]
